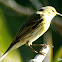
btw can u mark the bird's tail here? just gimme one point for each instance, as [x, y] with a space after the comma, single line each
[13, 46]
[7, 51]
[3, 56]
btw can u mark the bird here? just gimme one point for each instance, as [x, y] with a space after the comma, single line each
[34, 27]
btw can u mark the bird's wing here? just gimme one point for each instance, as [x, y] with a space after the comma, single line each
[29, 26]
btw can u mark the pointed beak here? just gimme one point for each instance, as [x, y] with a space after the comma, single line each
[59, 14]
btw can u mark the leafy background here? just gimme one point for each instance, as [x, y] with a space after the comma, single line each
[12, 15]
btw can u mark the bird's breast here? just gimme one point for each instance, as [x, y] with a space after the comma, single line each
[39, 31]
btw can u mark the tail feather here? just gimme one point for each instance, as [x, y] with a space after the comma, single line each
[12, 47]
[3, 56]
[7, 51]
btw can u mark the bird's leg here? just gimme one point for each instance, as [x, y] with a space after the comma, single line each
[38, 44]
[42, 45]
[45, 46]
[33, 49]
[29, 45]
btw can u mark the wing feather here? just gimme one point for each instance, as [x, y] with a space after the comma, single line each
[29, 26]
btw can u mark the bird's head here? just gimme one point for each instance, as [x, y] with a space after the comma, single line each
[48, 11]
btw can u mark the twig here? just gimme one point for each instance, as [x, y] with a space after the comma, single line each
[40, 57]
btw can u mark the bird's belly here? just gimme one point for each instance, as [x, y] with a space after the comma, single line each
[37, 33]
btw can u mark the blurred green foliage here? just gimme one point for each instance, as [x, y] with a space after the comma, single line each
[10, 22]
[5, 36]
[6, 39]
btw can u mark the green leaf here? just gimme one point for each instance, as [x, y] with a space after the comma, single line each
[5, 41]
[58, 55]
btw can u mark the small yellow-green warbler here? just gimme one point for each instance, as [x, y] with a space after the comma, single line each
[34, 27]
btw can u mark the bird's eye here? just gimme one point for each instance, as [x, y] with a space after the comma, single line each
[52, 10]
[41, 10]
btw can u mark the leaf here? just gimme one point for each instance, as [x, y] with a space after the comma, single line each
[58, 55]
[5, 41]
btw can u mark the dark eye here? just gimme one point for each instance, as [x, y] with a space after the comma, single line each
[41, 10]
[45, 47]
[52, 10]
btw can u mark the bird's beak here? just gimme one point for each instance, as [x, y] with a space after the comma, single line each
[59, 14]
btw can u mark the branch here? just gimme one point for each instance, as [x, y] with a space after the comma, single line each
[40, 57]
